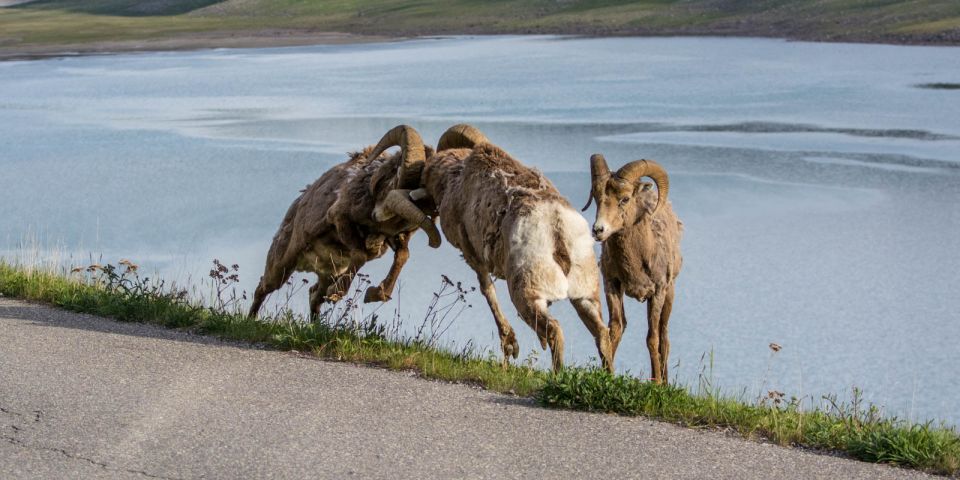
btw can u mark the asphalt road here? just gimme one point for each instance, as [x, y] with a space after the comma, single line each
[85, 397]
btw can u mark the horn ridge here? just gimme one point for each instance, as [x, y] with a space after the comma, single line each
[413, 154]
[599, 173]
[461, 135]
[399, 202]
[633, 171]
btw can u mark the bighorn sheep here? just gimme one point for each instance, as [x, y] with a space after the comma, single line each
[510, 222]
[330, 229]
[641, 249]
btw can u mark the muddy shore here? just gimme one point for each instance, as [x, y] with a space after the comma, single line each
[191, 41]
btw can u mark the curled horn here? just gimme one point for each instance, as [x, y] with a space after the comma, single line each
[599, 173]
[412, 151]
[461, 136]
[633, 171]
[399, 202]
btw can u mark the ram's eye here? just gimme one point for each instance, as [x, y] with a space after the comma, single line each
[624, 200]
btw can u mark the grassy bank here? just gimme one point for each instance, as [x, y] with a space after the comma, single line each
[121, 293]
[44, 22]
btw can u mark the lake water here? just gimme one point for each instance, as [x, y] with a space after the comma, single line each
[819, 187]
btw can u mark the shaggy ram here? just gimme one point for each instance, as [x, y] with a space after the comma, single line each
[510, 222]
[330, 228]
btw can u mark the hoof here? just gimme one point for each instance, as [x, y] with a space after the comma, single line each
[510, 347]
[375, 294]
[606, 350]
[557, 365]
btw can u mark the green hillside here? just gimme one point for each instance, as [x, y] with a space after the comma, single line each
[45, 22]
[121, 7]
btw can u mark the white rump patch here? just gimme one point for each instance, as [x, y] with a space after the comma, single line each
[533, 243]
[584, 273]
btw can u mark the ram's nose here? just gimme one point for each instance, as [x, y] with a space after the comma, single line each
[598, 231]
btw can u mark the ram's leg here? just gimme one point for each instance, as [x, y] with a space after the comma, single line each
[339, 286]
[259, 295]
[654, 308]
[508, 339]
[381, 292]
[618, 319]
[273, 278]
[589, 311]
[375, 246]
[342, 280]
[664, 334]
[316, 298]
[317, 292]
[534, 312]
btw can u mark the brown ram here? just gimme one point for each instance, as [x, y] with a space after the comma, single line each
[330, 229]
[641, 249]
[510, 222]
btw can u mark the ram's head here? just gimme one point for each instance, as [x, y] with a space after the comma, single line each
[619, 194]
[394, 196]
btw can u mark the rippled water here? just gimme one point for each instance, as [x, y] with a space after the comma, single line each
[818, 186]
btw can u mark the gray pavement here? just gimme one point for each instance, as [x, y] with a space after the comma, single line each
[85, 397]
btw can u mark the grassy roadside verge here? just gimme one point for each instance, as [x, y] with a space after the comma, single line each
[852, 428]
[118, 293]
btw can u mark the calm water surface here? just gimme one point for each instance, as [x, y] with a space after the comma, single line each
[818, 186]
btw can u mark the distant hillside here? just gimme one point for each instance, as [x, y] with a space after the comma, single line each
[65, 21]
[817, 19]
[121, 7]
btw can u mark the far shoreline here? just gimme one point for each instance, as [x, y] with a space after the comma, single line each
[270, 38]
[191, 42]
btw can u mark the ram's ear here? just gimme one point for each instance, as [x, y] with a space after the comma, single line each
[645, 186]
[379, 179]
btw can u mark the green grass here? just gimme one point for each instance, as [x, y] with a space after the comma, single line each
[134, 8]
[20, 28]
[851, 428]
[859, 431]
[50, 22]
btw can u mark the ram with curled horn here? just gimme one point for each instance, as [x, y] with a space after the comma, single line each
[331, 229]
[510, 222]
[641, 248]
